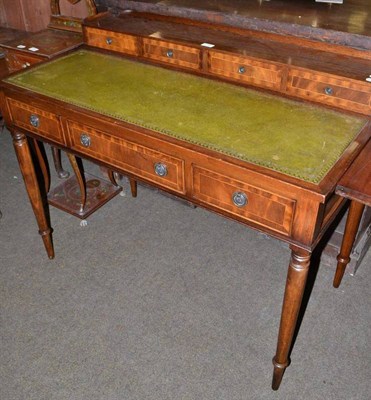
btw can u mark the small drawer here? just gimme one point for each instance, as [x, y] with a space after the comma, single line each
[36, 120]
[246, 69]
[16, 61]
[114, 41]
[327, 89]
[183, 56]
[152, 165]
[247, 202]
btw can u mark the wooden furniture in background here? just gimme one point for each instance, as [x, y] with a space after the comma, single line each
[356, 186]
[348, 24]
[34, 48]
[59, 20]
[291, 207]
[34, 15]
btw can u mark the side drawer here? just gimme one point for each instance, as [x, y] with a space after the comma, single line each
[243, 200]
[153, 165]
[114, 41]
[16, 61]
[36, 120]
[328, 89]
[246, 69]
[171, 53]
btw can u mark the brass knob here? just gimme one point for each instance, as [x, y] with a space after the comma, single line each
[34, 120]
[160, 169]
[241, 69]
[85, 140]
[328, 90]
[109, 40]
[239, 199]
[169, 53]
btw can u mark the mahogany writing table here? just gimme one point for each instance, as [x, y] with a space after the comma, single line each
[265, 161]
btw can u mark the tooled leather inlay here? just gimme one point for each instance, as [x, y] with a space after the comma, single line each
[297, 139]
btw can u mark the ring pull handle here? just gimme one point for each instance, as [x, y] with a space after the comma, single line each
[170, 53]
[34, 120]
[160, 169]
[109, 40]
[85, 140]
[241, 69]
[239, 199]
[329, 91]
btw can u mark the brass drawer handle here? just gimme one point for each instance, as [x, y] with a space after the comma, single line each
[241, 69]
[239, 199]
[34, 120]
[109, 40]
[85, 140]
[329, 91]
[160, 169]
[170, 53]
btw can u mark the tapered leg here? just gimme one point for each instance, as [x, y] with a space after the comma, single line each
[350, 232]
[26, 165]
[56, 153]
[295, 285]
[43, 164]
[79, 173]
[133, 187]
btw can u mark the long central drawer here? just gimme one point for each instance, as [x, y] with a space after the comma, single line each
[154, 165]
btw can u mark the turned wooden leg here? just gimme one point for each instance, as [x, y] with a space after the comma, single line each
[350, 232]
[27, 168]
[56, 153]
[295, 285]
[76, 164]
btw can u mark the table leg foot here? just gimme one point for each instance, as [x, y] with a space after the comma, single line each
[278, 371]
[48, 242]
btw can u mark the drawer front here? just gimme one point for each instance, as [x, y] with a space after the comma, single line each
[16, 61]
[245, 201]
[245, 69]
[36, 120]
[120, 42]
[153, 165]
[183, 56]
[324, 88]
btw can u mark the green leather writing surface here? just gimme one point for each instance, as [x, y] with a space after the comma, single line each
[297, 139]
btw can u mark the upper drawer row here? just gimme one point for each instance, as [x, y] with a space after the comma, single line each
[322, 87]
